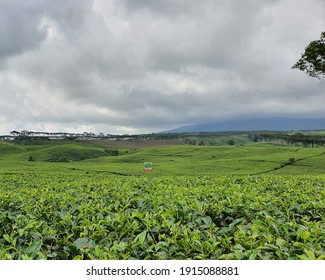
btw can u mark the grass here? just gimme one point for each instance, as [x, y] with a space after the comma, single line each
[168, 160]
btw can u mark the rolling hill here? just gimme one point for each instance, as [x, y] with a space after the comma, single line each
[250, 159]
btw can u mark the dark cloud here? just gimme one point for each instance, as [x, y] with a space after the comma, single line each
[19, 31]
[22, 26]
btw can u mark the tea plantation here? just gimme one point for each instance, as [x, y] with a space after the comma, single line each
[198, 203]
[201, 217]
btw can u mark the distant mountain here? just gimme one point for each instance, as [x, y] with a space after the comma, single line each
[273, 124]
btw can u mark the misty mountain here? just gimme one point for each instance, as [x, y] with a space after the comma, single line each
[272, 124]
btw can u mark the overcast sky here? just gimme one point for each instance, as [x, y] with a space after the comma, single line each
[139, 66]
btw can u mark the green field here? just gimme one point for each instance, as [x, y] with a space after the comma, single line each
[168, 160]
[86, 201]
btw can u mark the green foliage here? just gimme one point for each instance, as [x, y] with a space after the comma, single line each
[112, 152]
[60, 216]
[24, 140]
[312, 60]
[31, 158]
[69, 210]
[72, 152]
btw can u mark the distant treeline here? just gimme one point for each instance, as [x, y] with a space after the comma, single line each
[297, 139]
[200, 138]
[306, 139]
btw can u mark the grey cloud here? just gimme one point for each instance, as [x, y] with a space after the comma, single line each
[141, 65]
[170, 8]
[19, 31]
[217, 34]
[21, 27]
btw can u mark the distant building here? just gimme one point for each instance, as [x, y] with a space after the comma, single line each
[54, 135]
[14, 133]
[25, 133]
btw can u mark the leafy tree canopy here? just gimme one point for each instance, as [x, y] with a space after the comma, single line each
[312, 61]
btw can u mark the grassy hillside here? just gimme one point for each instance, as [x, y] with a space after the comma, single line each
[52, 153]
[168, 160]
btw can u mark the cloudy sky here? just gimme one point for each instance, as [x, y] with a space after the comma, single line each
[139, 66]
